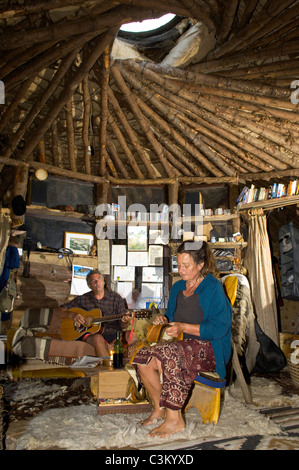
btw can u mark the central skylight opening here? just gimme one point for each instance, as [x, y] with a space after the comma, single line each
[147, 25]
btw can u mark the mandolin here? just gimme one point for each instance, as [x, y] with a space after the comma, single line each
[158, 334]
[94, 321]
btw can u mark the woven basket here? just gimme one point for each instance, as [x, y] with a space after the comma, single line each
[294, 370]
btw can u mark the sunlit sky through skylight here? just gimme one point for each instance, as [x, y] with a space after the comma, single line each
[147, 25]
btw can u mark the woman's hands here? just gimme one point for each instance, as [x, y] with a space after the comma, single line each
[175, 329]
[160, 320]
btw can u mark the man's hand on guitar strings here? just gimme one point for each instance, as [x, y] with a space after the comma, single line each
[79, 319]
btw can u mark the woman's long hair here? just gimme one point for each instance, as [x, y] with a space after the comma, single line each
[200, 252]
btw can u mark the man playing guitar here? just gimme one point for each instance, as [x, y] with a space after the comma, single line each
[109, 303]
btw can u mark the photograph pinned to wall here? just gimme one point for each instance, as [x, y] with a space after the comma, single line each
[155, 255]
[79, 243]
[137, 238]
[137, 258]
[79, 285]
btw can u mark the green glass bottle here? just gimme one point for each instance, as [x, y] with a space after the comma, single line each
[117, 352]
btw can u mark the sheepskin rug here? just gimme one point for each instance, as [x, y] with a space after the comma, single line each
[81, 428]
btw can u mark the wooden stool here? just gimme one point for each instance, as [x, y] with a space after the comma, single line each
[111, 385]
[206, 397]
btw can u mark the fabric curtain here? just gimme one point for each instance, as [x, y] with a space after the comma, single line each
[258, 263]
[5, 224]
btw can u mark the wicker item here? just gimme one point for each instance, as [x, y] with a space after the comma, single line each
[294, 369]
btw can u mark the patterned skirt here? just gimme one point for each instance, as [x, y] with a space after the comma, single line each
[181, 361]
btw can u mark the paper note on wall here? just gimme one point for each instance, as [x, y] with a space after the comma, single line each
[152, 290]
[125, 290]
[124, 273]
[119, 255]
[150, 274]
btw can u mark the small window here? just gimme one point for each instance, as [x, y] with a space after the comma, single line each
[147, 25]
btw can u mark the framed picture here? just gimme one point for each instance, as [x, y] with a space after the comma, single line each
[137, 238]
[79, 243]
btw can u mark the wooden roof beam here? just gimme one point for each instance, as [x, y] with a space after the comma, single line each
[136, 111]
[68, 91]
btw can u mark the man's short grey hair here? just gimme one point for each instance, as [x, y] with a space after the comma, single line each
[94, 271]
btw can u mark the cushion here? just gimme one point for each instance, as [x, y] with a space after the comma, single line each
[28, 346]
[38, 319]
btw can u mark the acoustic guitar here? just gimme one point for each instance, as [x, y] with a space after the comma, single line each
[94, 322]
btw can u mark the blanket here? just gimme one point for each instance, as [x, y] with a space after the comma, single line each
[38, 337]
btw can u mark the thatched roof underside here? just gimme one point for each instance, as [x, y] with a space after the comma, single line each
[221, 105]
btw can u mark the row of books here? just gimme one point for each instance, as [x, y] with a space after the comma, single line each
[275, 190]
[140, 215]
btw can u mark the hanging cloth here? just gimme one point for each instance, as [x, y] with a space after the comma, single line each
[5, 223]
[258, 262]
[8, 276]
[12, 261]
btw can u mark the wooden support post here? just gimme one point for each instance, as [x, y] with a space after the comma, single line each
[237, 368]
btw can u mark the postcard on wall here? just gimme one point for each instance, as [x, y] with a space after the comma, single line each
[79, 285]
[119, 255]
[150, 274]
[124, 273]
[137, 258]
[155, 255]
[103, 250]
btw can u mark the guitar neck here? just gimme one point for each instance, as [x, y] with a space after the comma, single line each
[108, 318]
[116, 317]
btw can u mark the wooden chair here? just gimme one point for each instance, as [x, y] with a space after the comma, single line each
[206, 393]
[206, 397]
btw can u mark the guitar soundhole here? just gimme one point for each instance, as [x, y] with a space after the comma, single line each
[82, 328]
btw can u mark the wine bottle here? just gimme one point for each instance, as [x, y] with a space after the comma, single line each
[117, 352]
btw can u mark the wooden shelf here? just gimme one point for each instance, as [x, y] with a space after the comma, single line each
[228, 244]
[214, 218]
[205, 218]
[43, 211]
[270, 203]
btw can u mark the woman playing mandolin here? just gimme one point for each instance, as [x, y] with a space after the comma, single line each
[199, 309]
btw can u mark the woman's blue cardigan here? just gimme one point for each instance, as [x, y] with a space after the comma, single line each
[217, 317]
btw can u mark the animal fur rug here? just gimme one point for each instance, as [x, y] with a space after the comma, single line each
[81, 428]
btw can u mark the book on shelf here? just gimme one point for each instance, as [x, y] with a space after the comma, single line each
[242, 195]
